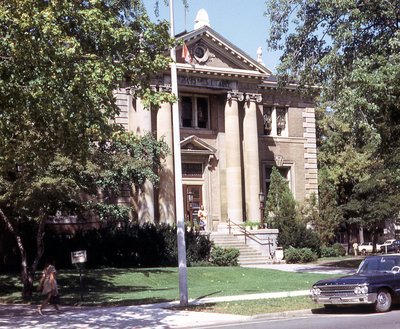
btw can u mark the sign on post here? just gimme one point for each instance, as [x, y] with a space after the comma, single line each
[78, 257]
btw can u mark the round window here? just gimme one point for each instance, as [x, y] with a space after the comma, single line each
[200, 53]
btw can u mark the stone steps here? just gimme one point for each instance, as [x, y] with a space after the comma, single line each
[248, 255]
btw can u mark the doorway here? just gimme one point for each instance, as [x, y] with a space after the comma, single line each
[192, 206]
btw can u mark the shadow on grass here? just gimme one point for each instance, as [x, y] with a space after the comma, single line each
[345, 263]
[98, 288]
[208, 295]
[8, 284]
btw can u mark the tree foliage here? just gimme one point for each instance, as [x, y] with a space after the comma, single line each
[351, 50]
[280, 205]
[282, 213]
[60, 64]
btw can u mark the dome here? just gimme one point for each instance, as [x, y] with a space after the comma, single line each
[201, 19]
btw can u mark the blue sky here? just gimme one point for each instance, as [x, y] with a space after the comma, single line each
[242, 22]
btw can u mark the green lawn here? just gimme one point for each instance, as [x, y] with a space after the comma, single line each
[139, 286]
[260, 306]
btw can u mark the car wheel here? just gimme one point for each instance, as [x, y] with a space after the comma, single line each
[363, 252]
[383, 301]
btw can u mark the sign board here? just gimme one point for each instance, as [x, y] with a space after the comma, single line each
[78, 257]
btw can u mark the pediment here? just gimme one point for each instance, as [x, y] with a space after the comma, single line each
[211, 53]
[195, 145]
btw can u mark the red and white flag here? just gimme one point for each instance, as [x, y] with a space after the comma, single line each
[186, 55]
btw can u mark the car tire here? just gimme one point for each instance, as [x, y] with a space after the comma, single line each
[363, 252]
[383, 301]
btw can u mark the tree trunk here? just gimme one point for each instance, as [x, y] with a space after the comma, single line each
[27, 273]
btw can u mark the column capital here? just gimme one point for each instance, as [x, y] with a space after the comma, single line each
[251, 97]
[235, 95]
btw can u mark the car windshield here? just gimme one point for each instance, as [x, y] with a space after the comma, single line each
[378, 264]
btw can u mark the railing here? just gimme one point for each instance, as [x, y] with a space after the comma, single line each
[249, 235]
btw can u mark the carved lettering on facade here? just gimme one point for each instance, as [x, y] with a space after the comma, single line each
[206, 82]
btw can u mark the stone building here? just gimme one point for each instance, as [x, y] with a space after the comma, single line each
[235, 125]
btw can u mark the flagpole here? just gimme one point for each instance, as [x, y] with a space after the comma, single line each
[183, 289]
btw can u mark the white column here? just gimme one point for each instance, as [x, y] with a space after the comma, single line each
[233, 157]
[145, 200]
[251, 157]
[166, 199]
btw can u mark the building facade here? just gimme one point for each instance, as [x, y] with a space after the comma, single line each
[235, 125]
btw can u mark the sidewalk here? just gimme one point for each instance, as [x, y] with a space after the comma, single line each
[145, 316]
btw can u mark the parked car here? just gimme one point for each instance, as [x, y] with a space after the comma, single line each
[386, 243]
[376, 283]
[393, 247]
[366, 247]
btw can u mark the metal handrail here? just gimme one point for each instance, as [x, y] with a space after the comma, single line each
[246, 233]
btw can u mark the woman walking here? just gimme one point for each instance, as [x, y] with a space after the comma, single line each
[48, 286]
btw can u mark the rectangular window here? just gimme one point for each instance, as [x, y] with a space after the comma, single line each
[267, 118]
[194, 170]
[281, 121]
[186, 111]
[194, 111]
[275, 121]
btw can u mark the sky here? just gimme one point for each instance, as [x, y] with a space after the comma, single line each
[242, 22]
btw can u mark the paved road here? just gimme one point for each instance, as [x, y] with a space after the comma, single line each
[354, 318]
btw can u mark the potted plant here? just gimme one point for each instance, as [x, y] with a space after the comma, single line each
[252, 225]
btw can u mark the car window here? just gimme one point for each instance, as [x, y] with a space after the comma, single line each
[378, 264]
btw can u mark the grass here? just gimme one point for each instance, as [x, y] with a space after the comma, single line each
[105, 287]
[260, 306]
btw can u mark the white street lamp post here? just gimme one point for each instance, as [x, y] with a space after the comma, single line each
[183, 290]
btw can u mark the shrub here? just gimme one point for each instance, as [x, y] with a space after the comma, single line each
[337, 250]
[298, 236]
[300, 255]
[224, 256]
[341, 251]
[148, 245]
[328, 252]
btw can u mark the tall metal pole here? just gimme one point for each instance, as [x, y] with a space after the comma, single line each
[183, 289]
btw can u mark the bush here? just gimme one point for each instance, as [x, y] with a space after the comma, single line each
[300, 255]
[328, 252]
[224, 256]
[298, 236]
[337, 250]
[341, 251]
[148, 245]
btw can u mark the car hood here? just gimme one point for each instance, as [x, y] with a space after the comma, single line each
[355, 279]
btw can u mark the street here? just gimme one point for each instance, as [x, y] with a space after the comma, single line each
[355, 318]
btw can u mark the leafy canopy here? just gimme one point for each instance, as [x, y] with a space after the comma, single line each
[351, 50]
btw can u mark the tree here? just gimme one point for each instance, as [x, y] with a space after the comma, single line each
[281, 213]
[350, 49]
[280, 206]
[60, 62]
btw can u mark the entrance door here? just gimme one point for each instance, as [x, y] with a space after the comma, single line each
[191, 208]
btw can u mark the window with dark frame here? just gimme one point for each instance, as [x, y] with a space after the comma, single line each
[267, 118]
[280, 120]
[193, 170]
[194, 111]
